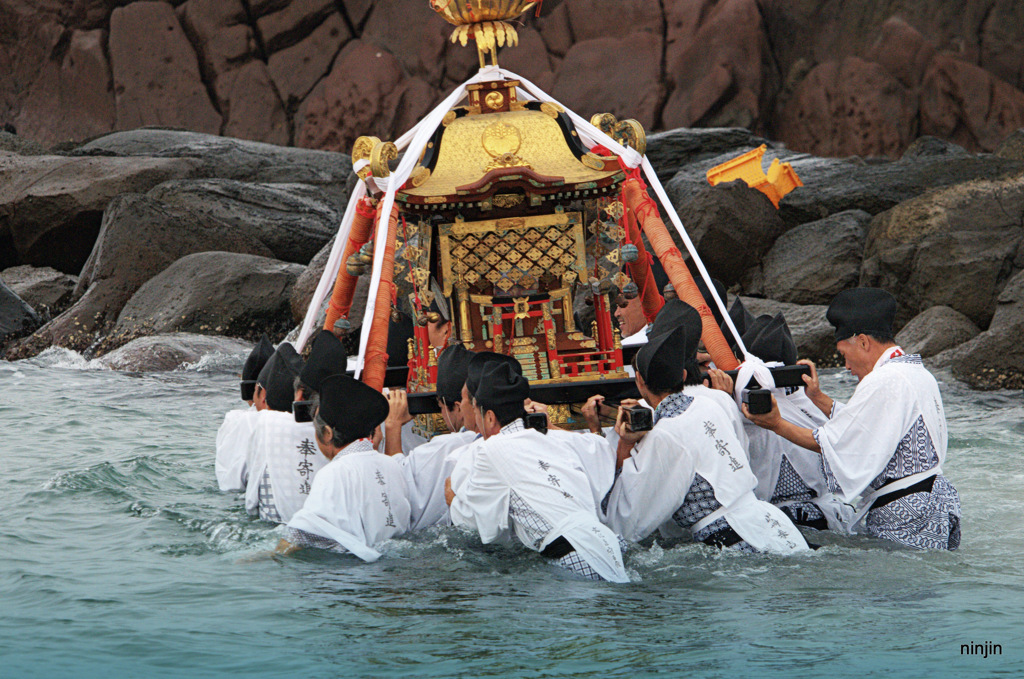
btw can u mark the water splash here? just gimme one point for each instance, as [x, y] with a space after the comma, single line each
[65, 359]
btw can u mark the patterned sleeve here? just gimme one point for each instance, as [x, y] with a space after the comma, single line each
[302, 538]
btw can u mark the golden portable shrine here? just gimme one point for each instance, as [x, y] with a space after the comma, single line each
[513, 205]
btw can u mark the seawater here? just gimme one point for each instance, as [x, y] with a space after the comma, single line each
[120, 558]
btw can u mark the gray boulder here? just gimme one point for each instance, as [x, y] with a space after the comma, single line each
[17, 318]
[305, 287]
[671, 150]
[51, 207]
[833, 185]
[1012, 148]
[221, 293]
[226, 157]
[162, 353]
[12, 143]
[814, 262]
[732, 226]
[47, 290]
[814, 336]
[140, 238]
[934, 330]
[292, 220]
[995, 358]
[955, 247]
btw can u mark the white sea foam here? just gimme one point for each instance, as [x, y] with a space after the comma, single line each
[66, 359]
[215, 361]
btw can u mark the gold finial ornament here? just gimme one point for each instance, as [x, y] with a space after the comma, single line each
[484, 21]
[383, 151]
[362, 150]
[626, 132]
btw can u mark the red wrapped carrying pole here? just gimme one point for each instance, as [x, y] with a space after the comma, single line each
[636, 199]
[345, 283]
[375, 362]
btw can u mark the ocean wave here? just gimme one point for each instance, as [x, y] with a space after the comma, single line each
[214, 362]
[65, 359]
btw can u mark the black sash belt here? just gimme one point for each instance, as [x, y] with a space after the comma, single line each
[919, 487]
[558, 548]
[727, 537]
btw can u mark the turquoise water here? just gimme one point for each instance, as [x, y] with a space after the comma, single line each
[121, 559]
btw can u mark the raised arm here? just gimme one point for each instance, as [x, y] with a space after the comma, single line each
[812, 388]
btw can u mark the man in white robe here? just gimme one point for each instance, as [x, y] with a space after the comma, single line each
[428, 465]
[523, 480]
[885, 446]
[360, 499]
[593, 454]
[235, 432]
[788, 476]
[689, 474]
[282, 458]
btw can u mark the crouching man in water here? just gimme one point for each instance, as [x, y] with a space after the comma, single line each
[690, 472]
[359, 499]
[281, 457]
[886, 445]
[523, 477]
[235, 433]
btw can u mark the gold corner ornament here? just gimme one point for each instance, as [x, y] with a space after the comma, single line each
[361, 151]
[382, 153]
[626, 132]
[483, 20]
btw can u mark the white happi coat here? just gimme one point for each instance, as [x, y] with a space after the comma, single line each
[234, 438]
[545, 474]
[595, 456]
[861, 438]
[725, 401]
[426, 467]
[358, 500]
[286, 451]
[663, 465]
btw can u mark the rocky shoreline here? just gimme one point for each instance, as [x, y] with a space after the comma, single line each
[153, 233]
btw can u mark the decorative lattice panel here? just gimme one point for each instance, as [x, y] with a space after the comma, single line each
[525, 253]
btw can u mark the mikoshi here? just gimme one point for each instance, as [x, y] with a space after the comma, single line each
[513, 204]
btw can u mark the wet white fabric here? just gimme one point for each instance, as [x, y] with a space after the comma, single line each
[461, 461]
[753, 368]
[359, 500]
[426, 467]
[234, 438]
[663, 465]
[287, 451]
[862, 436]
[596, 458]
[545, 474]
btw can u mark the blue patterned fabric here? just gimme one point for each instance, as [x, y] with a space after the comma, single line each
[302, 538]
[538, 528]
[792, 489]
[267, 508]
[700, 502]
[672, 405]
[925, 520]
[513, 426]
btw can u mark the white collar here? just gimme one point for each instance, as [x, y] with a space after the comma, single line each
[888, 355]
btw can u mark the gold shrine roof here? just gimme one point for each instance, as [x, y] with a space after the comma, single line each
[528, 146]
